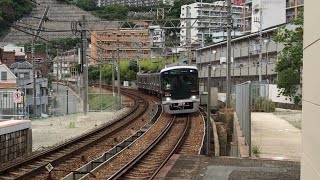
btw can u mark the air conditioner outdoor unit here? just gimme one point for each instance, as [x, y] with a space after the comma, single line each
[223, 60]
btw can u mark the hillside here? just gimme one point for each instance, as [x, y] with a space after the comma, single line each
[59, 14]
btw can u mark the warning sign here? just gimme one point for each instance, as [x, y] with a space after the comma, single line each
[17, 97]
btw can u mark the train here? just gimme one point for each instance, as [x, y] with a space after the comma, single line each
[177, 86]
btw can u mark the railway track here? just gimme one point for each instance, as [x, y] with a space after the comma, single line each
[151, 160]
[67, 152]
[194, 134]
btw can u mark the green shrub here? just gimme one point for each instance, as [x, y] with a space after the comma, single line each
[260, 104]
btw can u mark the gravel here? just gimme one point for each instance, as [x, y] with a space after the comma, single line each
[54, 130]
[293, 117]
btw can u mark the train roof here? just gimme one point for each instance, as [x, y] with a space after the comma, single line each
[178, 67]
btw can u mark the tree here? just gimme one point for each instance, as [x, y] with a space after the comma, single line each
[12, 10]
[113, 11]
[289, 63]
[87, 5]
[208, 39]
[176, 8]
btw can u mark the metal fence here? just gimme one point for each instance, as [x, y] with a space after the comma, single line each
[102, 102]
[260, 96]
[243, 109]
[60, 101]
[8, 108]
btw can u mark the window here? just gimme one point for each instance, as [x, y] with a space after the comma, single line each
[4, 76]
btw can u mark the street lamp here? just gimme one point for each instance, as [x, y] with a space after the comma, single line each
[214, 52]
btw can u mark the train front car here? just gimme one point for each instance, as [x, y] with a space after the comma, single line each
[180, 89]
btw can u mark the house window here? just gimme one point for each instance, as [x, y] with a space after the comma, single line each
[4, 76]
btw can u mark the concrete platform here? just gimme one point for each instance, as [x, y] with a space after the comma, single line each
[13, 126]
[227, 168]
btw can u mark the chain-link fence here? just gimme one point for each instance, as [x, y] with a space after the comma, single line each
[102, 101]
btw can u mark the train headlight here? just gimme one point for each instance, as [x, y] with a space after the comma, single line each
[168, 99]
[193, 97]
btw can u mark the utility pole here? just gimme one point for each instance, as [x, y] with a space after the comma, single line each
[188, 37]
[208, 110]
[85, 66]
[118, 76]
[34, 38]
[260, 49]
[34, 79]
[228, 54]
[57, 61]
[100, 78]
[202, 33]
[113, 74]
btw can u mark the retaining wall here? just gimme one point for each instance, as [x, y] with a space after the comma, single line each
[15, 139]
[239, 148]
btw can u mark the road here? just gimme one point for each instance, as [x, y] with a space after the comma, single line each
[74, 104]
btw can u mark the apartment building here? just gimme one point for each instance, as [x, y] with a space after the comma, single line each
[130, 2]
[132, 44]
[214, 15]
[272, 13]
[244, 57]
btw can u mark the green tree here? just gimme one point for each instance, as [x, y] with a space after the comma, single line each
[113, 11]
[208, 39]
[289, 63]
[176, 8]
[12, 10]
[87, 5]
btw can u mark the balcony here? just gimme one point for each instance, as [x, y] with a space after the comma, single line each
[300, 2]
[290, 4]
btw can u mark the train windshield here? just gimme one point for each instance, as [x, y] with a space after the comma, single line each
[186, 79]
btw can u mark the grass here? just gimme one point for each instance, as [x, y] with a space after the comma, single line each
[107, 101]
[256, 147]
[72, 125]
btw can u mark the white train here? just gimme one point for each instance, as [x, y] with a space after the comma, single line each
[178, 87]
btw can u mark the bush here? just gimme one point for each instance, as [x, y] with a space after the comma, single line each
[260, 104]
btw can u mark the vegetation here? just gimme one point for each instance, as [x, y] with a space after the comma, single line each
[289, 63]
[105, 101]
[128, 69]
[64, 44]
[72, 125]
[256, 147]
[12, 10]
[263, 105]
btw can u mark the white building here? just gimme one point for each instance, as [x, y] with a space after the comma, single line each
[7, 88]
[19, 50]
[273, 13]
[157, 41]
[214, 14]
[270, 13]
[64, 66]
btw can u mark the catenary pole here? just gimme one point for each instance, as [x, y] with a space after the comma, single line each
[228, 80]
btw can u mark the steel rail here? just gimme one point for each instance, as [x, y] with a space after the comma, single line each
[139, 157]
[85, 139]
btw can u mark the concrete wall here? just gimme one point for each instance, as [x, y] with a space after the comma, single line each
[15, 140]
[239, 148]
[310, 163]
